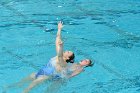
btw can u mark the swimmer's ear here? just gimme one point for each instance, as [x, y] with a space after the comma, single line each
[68, 58]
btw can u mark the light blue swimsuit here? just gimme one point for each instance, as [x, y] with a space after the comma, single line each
[49, 69]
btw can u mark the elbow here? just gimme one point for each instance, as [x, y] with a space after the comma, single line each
[59, 56]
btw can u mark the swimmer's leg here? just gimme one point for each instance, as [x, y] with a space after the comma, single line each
[20, 83]
[35, 82]
[31, 77]
[55, 86]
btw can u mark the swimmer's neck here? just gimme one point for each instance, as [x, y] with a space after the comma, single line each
[79, 64]
[82, 65]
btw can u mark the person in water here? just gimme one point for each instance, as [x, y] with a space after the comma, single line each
[76, 68]
[56, 64]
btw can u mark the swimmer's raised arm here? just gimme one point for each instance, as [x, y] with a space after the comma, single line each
[59, 45]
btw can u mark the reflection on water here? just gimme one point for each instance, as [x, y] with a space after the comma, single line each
[112, 86]
[55, 86]
[127, 43]
[116, 85]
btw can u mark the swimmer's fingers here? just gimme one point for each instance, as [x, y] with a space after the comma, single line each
[60, 25]
[60, 22]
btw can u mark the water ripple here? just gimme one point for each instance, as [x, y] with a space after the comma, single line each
[100, 22]
[96, 18]
[116, 85]
[122, 43]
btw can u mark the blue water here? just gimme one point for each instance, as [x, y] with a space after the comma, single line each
[107, 31]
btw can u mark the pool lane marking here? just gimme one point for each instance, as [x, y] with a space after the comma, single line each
[44, 28]
[113, 27]
[20, 58]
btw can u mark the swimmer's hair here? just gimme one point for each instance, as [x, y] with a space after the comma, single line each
[71, 59]
[90, 64]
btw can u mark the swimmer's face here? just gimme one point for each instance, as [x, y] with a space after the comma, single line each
[68, 54]
[85, 62]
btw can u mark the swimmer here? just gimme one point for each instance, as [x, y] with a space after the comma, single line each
[56, 64]
[70, 71]
[76, 68]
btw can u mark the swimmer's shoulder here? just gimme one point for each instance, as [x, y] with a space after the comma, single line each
[75, 66]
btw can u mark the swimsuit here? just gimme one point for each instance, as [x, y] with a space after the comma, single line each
[49, 70]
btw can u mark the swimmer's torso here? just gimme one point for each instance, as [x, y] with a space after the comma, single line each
[52, 68]
[72, 67]
[56, 64]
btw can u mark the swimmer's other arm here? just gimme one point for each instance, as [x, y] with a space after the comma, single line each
[76, 72]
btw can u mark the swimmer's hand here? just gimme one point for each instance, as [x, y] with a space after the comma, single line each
[60, 25]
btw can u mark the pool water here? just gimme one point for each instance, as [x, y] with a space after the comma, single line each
[106, 31]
